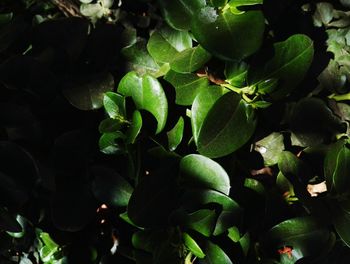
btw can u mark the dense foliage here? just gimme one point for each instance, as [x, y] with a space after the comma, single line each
[192, 131]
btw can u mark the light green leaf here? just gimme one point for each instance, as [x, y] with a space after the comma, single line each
[226, 35]
[187, 86]
[148, 94]
[199, 171]
[166, 43]
[190, 60]
[94, 11]
[228, 126]
[114, 104]
[192, 245]
[135, 128]
[202, 103]
[175, 134]
[270, 148]
[236, 4]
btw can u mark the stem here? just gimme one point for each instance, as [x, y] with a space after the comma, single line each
[232, 88]
[340, 97]
[68, 7]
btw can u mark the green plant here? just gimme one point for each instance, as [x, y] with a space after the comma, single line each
[174, 132]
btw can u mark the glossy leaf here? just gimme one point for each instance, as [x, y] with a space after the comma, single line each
[187, 86]
[235, 5]
[192, 245]
[226, 35]
[270, 148]
[289, 164]
[135, 128]
[336, 167]
[202, 103]
[200, 171]
[114, 104]
[190, 60]
[148, 94]
[165, 43]
[175, 134]
[214, 254]
[88, 93]
[202, 221]
[178, 14]
[236, 73]
[291, 61]
[228, 126]
[109, 144]
[110, 188]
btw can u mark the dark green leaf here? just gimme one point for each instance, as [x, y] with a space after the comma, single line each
[178, 14]
[190, 60]
[8, 222]
[187, 86]
[202, 221]
[228, 126]
[289, 164]
[192, 245]
[5, 18]
[110, 125]
[292, 59]
[175, 134]
[201, 105]
[109, 187]
[226, 35]
[108, 143]
[236, 4]
[166, 43]
[87, 93]
[148, 94]
[199, 171]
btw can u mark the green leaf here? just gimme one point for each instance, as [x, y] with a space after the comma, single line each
[148, 94]
[226, 35]
[202, 221]
[214, 254]
[187, 86]
[166, 43]
[109, 187]
[139, 60]
[88, 93]
[341, 219]
[233, 234]
[24, 225]
[110, 125]
[93, 11]
[303, 235]
[289, 164]
[323, 14]
[336, 168]
[217, 3]
[114, 104]
[190, 60]
[148, 240]
[226, 220]
[135, 128]
[236, 4]
[199, 171]
[291, 61]
[178, 14]
[270, 148]
[236, 73]
[108, 143]
[228, 126]
[192, 245]
[175, 134]
[5, 18]
[202, 103]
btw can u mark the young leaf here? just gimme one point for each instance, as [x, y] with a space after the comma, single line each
[201, 106]
[226, 35]
[190, 60]
[199, 171]
[187, 86]
[192, 245]
[175, 134]
[148, 94]
[229, 125]
[292, 59]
